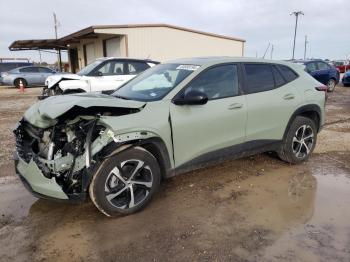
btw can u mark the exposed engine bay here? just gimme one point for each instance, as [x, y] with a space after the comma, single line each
[63, 151]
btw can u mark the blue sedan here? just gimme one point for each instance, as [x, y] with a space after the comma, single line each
[322, 72]
[29, 75]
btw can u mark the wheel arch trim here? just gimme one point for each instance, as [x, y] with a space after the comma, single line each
[311, 108]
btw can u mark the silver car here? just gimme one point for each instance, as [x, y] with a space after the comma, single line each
[30, 75]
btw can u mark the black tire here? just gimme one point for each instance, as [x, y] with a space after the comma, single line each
[112, 184]
[331, 84]
[16, 82]
[292, 142]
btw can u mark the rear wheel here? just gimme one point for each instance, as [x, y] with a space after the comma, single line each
[331, 85]
[18, 80]
[126, 182]
[300, 141]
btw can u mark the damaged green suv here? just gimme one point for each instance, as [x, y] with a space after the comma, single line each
[172, 118]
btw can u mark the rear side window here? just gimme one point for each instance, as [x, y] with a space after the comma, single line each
[29, 70]
[287, 73]
[137, 67]
[44, 70]
[322, 66]
[259, 77]
[279, 80]
[217, 82]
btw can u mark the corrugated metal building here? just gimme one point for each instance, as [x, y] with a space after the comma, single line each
[159, 42]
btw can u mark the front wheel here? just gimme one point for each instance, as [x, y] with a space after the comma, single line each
[126, 182]
[300, 141]
[331, 85]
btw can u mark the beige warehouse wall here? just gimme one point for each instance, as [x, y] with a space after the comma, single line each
[98, 43]
[162, 43]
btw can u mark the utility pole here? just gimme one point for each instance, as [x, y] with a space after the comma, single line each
[56, 25]
[40, 56]
[271, 52]
[268, 46]
[306, 42]
[296, 13]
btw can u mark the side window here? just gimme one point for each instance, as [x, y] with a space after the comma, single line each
[279, 80]
[112, 68]
[259, 78]
[29, 70]
[137, 67]
[322, 66]
[288, 73]
[218, 82]
[310, 67]
[44, 70]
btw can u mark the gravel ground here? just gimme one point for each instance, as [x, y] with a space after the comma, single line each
[253, 209]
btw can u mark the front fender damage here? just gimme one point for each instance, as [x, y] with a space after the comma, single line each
[61, 160]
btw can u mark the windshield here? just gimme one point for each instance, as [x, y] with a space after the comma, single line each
[87, 69]
[155, 83]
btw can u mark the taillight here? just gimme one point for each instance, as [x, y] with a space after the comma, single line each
[323, 89]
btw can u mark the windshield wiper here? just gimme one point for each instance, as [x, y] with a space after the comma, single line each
[122, 97]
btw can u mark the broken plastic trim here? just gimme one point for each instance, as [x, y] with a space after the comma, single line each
[88, 144]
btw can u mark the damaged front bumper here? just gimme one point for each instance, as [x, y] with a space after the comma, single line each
[35, 181]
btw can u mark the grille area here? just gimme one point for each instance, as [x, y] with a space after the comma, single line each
[24, 141]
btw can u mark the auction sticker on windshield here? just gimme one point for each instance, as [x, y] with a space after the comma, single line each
[188, 67]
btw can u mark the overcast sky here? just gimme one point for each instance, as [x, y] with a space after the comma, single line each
[325, 22]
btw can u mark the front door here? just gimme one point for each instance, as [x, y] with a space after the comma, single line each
[109, 76]
[199, 130]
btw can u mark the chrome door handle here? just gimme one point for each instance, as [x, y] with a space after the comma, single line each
[235, 106]
[288, 97]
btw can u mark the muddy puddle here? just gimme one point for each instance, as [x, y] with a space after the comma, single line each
[254, 209]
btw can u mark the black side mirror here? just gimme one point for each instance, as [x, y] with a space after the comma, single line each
[193, 97]
[99, 73]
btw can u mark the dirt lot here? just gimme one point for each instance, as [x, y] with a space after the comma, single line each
[253, 209]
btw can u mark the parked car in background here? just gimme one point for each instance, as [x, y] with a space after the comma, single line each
[101, 75]
[322, 72]
[29, 75]
[7, 66]
[174, 117]
[346, 79]
[342, 66]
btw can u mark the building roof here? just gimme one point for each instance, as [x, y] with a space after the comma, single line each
[89, 32]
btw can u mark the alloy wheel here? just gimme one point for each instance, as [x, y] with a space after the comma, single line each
[303, 141]
[128, 184]
[331, 84]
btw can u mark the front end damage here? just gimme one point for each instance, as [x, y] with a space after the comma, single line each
[58, 159]
[57, 162]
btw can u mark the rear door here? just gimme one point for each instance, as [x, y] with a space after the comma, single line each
[311, 68]
[202, 129]
[31, 75]
[323, 72]
[271, 100]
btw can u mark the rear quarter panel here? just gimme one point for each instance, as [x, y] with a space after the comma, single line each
[306, 86]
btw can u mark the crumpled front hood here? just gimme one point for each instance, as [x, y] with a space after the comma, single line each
[45, 112]
[54, 79]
